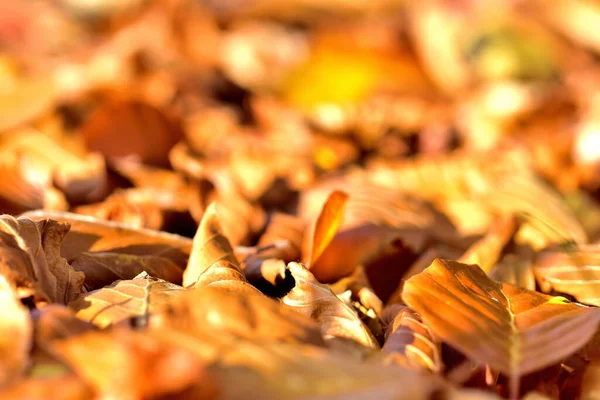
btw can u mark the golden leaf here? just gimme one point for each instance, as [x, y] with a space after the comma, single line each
[317, 301]
[515, 331]
[124, 300]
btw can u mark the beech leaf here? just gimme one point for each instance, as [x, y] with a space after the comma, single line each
[409, 342]
[317, 301]
[515, 331]
[123, 300]
[42, 240]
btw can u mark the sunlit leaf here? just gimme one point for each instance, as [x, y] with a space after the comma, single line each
[513, 330]
[409, 342]
[124, 299]
[317, 301]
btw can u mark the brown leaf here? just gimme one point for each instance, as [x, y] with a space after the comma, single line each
[409, 342]
[140, 130]
[492, 183]
[15, 334]
[89, 234]
[284, 227]
[575, 272]
[514, 270]
[514, 331]
[124, 299]
[42, 240]
[212, 262]
[132, 365]
[45, 161]
[103, 268]
[487, 251]
[243, 314]
[317, 301]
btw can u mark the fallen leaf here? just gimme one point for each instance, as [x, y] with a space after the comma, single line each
[103, 268]
[324, 229]
[133, 365]
[409, 342]
[317, 301]
[486, 252]
[123, 300]
[141, 130]
[42, 240]
[212, 261]
[15, 335]
[243, 314]
[513, 330]
[514, 270]
[575, 272]
[89, 234]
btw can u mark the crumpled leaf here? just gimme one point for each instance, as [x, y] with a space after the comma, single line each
[131, 365]
[317, 301]
[409, 342]
[515, 331]
[89, 234]
[15, 334]
[575, 272]
[103, 268]
[45, 268]
[124, 299]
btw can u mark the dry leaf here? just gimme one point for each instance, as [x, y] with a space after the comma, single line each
[317, 301]
[89, 234]
[48, 271]
[575, 272]
[103, 268]
[324, 229]
[243, 314]
[487, 251]
[515, 270]
[514, 331]
[212, 262]
[409, 342]
[15, 335]
[141, 131]
[124, 299]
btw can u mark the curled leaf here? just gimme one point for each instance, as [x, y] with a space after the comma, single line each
[317, 301]
[212, 261]
[95, 235]
[42, 241]
[324, 228]
[409, 342]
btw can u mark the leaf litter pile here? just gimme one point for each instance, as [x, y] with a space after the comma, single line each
[302, 199]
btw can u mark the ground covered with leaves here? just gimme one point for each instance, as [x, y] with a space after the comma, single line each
[302, 199]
